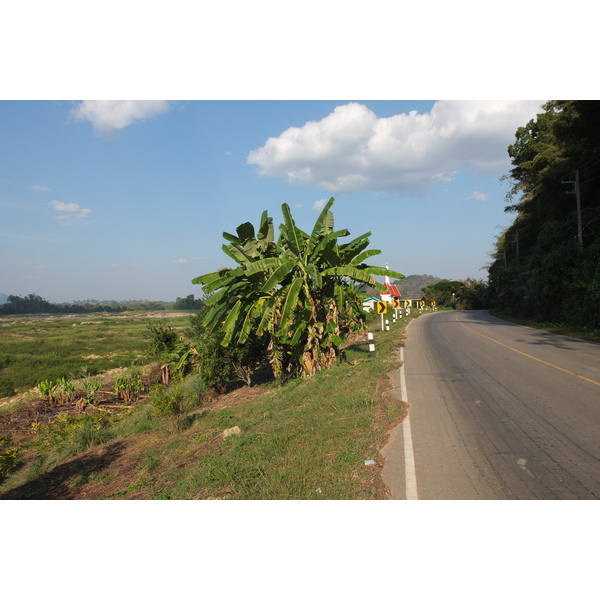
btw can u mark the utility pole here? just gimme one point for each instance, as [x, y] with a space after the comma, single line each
[515, 240]
[578, 197]
[577, 193]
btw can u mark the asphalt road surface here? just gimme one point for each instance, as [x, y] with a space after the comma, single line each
[497, 411]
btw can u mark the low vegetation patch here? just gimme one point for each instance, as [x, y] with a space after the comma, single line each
[305, 438]
[35, 349]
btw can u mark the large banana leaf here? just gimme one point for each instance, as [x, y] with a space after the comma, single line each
[263, 265]
[383, 271]
[229, 326]
[278, 275]
[268, 313]
[328, 239]
[251, 315]
[245, 232]
[291, 300]
[266, 232]
[232, 238]
[362, 257]
[293, 237]
[221, 276]
[323, 223]
[222, 281]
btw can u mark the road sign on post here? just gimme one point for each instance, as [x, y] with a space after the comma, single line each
[381, 310]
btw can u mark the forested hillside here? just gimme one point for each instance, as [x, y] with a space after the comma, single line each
[547, 265]
[412, 285]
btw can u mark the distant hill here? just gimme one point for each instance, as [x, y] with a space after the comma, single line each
[3, 298]
[411, 285]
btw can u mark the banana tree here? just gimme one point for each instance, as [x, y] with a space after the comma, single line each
[299, 290]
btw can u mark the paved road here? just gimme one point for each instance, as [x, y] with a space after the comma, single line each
[497, 411]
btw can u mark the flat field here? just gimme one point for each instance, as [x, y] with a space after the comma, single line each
[37, 348]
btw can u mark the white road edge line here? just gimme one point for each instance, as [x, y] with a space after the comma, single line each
[409, 455]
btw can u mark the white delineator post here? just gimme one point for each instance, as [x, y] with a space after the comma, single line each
[371, 344]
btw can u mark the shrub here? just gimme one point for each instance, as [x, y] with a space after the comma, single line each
[218, 364]
[9, 457]
[161, 338]
[168, 402]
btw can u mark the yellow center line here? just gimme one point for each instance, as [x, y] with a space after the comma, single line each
[527, 355]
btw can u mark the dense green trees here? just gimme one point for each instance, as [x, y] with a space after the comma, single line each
[300, 291]
[464, 295]
[547, 263]
[34, 304]
[188, 303]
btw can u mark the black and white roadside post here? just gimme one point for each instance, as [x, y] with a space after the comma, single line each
[371, 344]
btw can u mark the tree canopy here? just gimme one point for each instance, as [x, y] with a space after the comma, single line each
[547, 263]
[300, 290]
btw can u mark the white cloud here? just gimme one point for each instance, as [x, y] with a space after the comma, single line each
[352, 149]
[109, 116]
[185, 261]
[39, 188]
[479, 196]
[319, 205]
[73, 212]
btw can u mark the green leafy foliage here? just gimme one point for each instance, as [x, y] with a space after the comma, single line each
[188, 303]
[465, 295]
[161, 338]
[218, 364]
[47, 389]
[299, 291]
[9, 457]
[547, 265]
[128, 389]
[71, 433]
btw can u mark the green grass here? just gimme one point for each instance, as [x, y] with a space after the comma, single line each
[33, 349]
[305, 439]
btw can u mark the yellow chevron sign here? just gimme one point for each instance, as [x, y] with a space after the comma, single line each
[395, 303]
[381, 308]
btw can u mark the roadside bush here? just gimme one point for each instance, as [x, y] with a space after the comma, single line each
[168, 402]
[178, 398]
[195, 389]
[9, 457]
[220, 365]
[161, 338]
[72, 433]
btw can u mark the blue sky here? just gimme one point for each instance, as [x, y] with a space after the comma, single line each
[128, 200]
